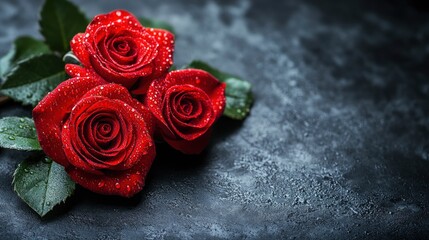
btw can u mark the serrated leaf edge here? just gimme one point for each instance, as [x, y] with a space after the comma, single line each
[44, 200]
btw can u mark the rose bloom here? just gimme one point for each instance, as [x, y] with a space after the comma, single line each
[119, 49]
[99, 133]
[186, 103]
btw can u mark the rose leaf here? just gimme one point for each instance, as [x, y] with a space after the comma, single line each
[18, 133]
[33, 78]
[42, 184]
[22, 49]
[152, 23]
[238, 92]
[60, 20]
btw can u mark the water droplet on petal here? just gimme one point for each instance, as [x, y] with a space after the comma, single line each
[128, 188]
[117, 185]
[101, 184]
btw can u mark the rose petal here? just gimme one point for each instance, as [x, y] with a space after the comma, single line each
[148, 55]
[162, 62]
[114, 91]
[203, 80]
[154, 101]
[195, 146]
[109, 97]
[78, 48]
[164, 59]
[185, 130]
[85, 155]
[121, 17]
[122, 183]
[52, 110]
[184, 136]
[194, 77]
[74, 70]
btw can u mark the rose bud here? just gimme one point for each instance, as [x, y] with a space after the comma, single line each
[119, 49]
[186, 104]
[99, 133]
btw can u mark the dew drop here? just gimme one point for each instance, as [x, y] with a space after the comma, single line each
[101, 184]
[128, 188]
[117, 185]
[26, 170]
[22, 120]
[48, 203]
[11, 138]
[21, 126]
[47, 160]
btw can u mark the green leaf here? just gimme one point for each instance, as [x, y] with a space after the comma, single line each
[5, 62]
[239, 98]
[152, 23]
[42, 184]
[32, 79]
[172, 68]
[238, 92]
[18, 133]
[60, 21]
[22, 49]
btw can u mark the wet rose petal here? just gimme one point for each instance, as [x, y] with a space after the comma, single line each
[119, 49]
[186, 103]
[99, 133]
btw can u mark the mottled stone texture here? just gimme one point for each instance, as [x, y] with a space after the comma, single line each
[336, 146]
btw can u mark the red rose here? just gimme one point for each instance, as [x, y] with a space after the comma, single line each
[119, 49]
[99, 133]
[186, 104]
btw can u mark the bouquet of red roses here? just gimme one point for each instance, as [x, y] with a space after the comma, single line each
[100, 125]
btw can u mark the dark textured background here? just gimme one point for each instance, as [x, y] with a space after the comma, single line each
[336, 145]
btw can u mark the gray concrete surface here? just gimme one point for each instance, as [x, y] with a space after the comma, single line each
[336, 146]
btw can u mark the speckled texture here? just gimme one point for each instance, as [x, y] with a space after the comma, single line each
[336, 146]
